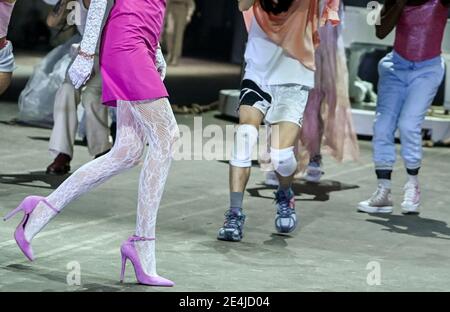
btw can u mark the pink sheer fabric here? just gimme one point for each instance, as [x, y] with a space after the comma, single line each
[6, 9]
[328, 125]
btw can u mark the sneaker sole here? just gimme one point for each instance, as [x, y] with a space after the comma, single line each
[310, 179]
[385, 209]
[415, 210]
[271, 183]
[281, 231]
[285, 232]
[228, 237]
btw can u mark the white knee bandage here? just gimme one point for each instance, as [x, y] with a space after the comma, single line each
[245, 139]
[284, 161]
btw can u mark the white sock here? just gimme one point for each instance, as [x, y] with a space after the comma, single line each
[385, 183]
[413, 179]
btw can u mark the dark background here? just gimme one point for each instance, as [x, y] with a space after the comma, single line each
[217, 31]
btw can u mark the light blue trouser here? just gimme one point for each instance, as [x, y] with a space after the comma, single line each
[405, 92]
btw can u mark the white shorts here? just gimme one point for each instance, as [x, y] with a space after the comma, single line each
[278, 103]
[7, 64]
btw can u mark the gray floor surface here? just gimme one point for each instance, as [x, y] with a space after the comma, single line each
[335, 248]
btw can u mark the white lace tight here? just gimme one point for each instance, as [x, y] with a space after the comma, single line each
[137, 124]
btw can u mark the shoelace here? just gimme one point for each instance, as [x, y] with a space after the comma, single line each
[410, 192]
[284, 210]
[380, 194]
[232, 220]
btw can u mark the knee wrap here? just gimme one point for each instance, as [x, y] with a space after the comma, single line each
[245, 139]
[284, 161]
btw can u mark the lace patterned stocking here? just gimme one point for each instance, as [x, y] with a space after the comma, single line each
[162, 133]
[137, 123]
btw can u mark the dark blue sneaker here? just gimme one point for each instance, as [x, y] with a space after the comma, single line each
[286, 219]
[233, 226]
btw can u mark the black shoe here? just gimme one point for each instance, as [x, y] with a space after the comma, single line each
[60, 166]
[113, 131]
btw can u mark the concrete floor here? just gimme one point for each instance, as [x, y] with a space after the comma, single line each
[330, 252]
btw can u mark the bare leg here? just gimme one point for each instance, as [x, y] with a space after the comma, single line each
[5, 81]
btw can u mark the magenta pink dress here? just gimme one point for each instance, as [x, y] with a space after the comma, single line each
[127, 55]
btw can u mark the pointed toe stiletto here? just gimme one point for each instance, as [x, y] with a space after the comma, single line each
[27, 206]
[129, 252]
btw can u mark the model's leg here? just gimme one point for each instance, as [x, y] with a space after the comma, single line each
[5, 81]
[312, 128]
[311, 135]
[6, 65]
[180, 13]
[286, 118]
[125, 154]
[6, 49]
[284, 137]
[97, 131]
[421, 93]
[161, 131]
[64, 128]
[391, 94]
[246, 136]
[169, 33]
[245, 139]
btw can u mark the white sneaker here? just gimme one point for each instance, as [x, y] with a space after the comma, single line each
[313, 174]
[380, 202]
[271, 179]
[411, 201]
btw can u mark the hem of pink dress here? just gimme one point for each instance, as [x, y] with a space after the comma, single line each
[113, 102]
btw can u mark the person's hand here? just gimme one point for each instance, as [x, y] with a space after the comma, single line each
[161, 65]
[81, 70]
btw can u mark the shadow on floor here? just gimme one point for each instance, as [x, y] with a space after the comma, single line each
[17, 122]
[47, 139]
[321, 191]
[52, 181]
[278, 240]
[412, 225]
[61, 277]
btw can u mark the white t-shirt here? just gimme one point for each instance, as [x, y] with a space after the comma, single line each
[83, 17]
[268, 64]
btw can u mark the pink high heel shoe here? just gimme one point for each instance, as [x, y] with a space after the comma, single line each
[128, 251]
[27, 206]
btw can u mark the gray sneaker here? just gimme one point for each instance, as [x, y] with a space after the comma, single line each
[380, 202]
[286, 218]
[233, 226]
[314, 171]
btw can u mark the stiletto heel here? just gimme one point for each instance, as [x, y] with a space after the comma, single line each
[124, 263]
[128, 251]
[27, 206]
[13, 213]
